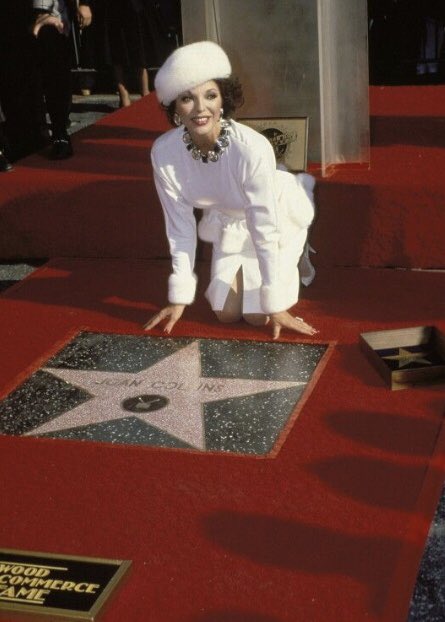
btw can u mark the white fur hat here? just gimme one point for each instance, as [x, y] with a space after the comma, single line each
[189, 66]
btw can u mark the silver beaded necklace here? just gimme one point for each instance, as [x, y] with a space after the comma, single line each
[222, 142]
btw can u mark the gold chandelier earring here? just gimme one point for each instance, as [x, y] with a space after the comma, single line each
[177, 119]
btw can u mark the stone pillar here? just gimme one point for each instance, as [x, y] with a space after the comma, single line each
[297, 58]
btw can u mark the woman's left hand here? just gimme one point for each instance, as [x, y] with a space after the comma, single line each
[284, 319]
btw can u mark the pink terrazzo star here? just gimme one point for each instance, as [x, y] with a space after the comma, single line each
[171, 392]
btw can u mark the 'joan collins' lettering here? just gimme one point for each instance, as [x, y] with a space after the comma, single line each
[212, 387]
[119, 383]
[167, 386]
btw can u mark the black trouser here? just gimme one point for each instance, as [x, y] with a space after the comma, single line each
[2, 130]
[54, 58]
[2, 134]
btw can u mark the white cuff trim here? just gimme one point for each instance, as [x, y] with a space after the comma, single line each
[181, 290]
[275, 299]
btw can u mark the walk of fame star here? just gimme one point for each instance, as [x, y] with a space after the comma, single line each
[183, 391]
[211, 395]
[406, 357]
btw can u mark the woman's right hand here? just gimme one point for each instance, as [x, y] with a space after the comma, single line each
[171, 314]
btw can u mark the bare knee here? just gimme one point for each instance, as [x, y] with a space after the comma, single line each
[228, 317]
[256, 319]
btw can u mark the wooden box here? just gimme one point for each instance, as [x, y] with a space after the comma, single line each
[405, 357]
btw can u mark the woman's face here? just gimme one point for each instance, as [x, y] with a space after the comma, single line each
[200, 112]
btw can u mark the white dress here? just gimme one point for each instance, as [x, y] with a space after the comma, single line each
[255, 215]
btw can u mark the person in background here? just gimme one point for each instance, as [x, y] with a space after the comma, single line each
[51, 28]
[5, 165]
[20, 93]
[256, 217]
[140, 36]
[432, 20]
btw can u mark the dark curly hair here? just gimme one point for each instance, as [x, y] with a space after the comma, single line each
[231, 93]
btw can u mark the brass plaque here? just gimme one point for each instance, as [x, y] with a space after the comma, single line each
[60, 587]
[288, 137]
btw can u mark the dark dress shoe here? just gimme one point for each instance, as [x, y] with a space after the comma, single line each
[5, 165]
[61, 149]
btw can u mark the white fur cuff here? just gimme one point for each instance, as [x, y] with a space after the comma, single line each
[181, 291]
[275, 298]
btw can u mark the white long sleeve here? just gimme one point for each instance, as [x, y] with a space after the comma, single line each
[180, 225]
[243, 186]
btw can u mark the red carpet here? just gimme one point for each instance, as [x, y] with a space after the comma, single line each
[392, 214]
[98, 204]
[334, 526]
[102, 203]
[331, 529]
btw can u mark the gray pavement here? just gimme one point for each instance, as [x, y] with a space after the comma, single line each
[428, 603]
[87, 109]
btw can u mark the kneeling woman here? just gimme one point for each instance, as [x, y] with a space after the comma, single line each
[255, 215]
